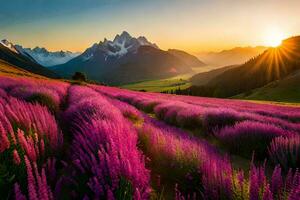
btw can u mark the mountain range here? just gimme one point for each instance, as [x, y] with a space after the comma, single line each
[125, 59]
[10, 54]
[45, 57]
[128, 59]
[234, 56]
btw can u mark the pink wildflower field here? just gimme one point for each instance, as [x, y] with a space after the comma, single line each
[61, 140]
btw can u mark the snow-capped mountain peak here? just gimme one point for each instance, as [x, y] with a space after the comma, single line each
[121, 45]
[122, 49]
[8, 45]
[122, 38]
[40, 50]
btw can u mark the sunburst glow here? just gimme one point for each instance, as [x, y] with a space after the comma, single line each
[274, 38]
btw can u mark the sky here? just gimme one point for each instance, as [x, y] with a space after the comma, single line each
[190, 25]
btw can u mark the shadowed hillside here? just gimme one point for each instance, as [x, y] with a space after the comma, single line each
[273, 64]
[285, 90]
[205, 77]
[11, 70]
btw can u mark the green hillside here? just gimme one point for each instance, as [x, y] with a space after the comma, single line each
[286, 90]
[7, 69]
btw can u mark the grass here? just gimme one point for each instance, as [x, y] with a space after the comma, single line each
[159, 85]
[173, 83]
[286, 90]
[281, 103]
[7, 69]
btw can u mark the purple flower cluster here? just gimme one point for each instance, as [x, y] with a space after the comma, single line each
[33, 118]
[106, 136]
[127, 110]
[276, 188]
[242, 127]
[38, 188]
[212, 117]
[206, 113]
[286, 152]
[104, 146]
[175, 149]
[170, 146]
[28, 135]
[28, 89]
[30, 127]
[248, 136]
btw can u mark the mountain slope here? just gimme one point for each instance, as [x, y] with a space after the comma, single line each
[204, 77]
[9, 54]
[127, 59]
[45, 57]
[238, 55]
[273, 64]
[189, 59]
[9, 45]
[285, 90]
[11, 70]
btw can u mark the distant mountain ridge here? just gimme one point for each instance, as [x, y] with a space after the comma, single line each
[45, 57]
[10, 54]
[188, 58]
[128, 59]
[235, 56]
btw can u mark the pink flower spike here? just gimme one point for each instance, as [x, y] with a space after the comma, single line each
[16, 157]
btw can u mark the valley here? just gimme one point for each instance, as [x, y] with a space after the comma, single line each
[180, 81]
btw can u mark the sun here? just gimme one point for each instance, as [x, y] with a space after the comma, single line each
[274, 38]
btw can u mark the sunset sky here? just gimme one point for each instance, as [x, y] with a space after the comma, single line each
[191, 25]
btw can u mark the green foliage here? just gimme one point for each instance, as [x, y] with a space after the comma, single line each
[79, 76]
[10, 172]
[158, 195]
[125, 190]
[6, 181]
[133, 118]
[195, 91]
[161, 85]
[44, 100]
[188, 177]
